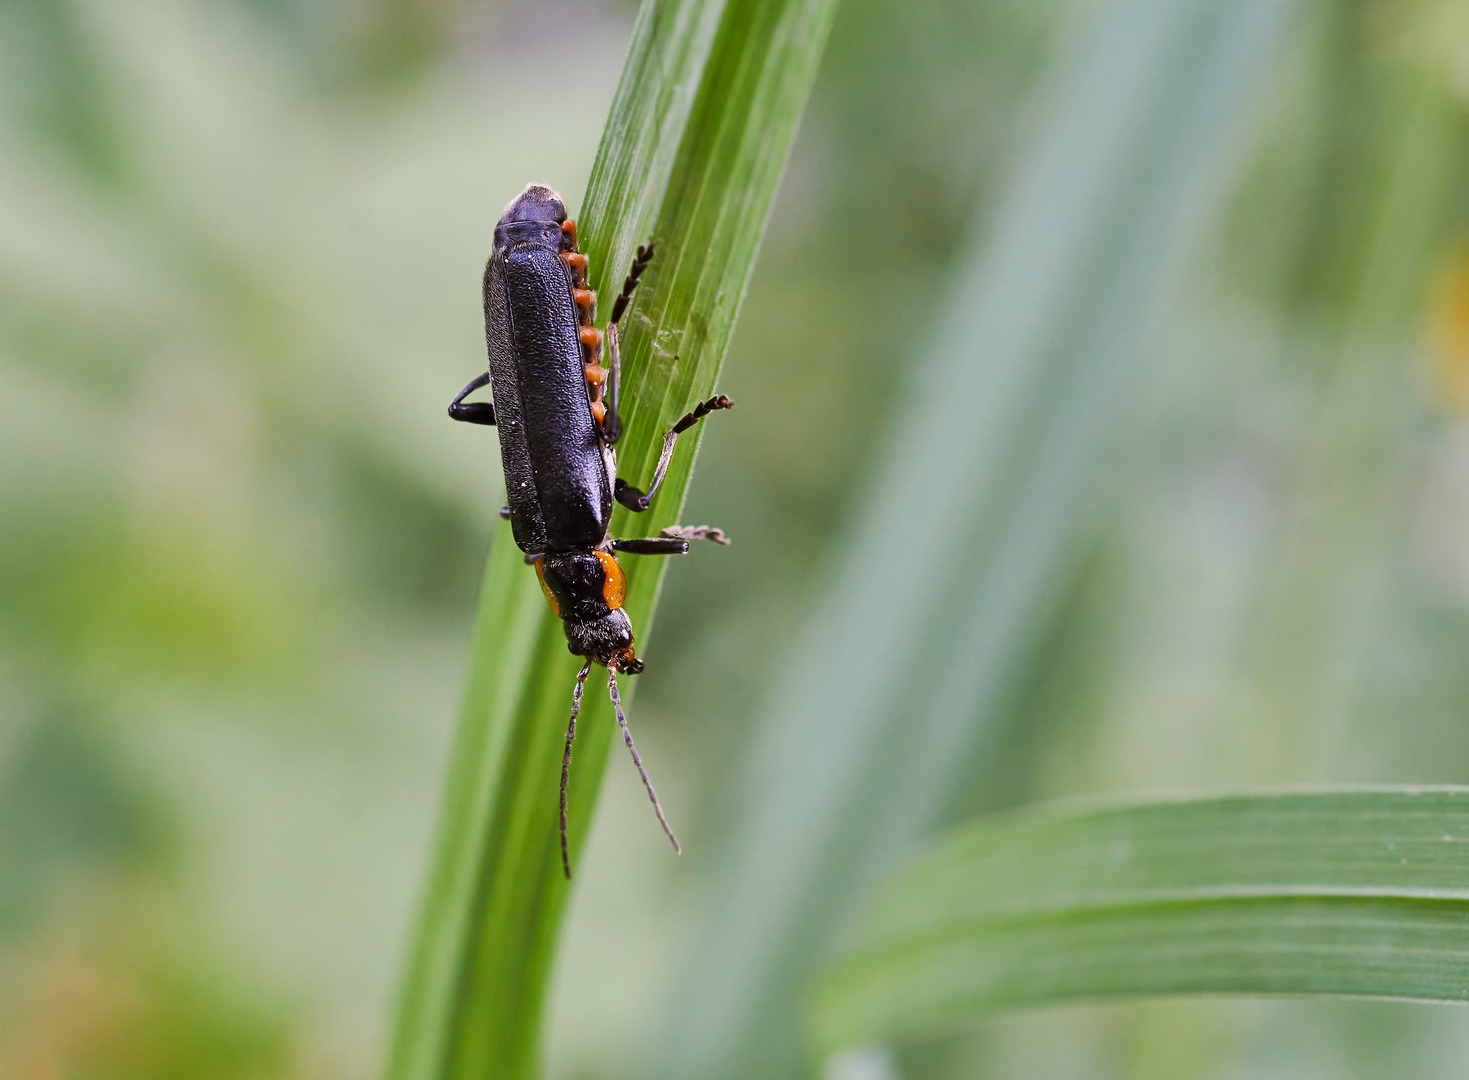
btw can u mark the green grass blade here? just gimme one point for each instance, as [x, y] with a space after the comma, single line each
[692, 151]
[1360, 893]
[971, 527]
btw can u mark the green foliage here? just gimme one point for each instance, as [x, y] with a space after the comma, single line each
[989, 479]
[1353, 893]
[694, 145]
[1194, 519]
[63, 809]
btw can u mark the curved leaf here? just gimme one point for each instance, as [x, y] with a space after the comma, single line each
[693, 147]
[994, 464]
[1361, 893]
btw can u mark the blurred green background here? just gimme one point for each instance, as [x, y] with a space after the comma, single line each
[240, 246]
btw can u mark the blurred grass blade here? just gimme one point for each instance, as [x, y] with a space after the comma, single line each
[1361, 893]
[693, 147]
[976, 517]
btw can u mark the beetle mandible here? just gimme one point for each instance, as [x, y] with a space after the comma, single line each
[555, 408]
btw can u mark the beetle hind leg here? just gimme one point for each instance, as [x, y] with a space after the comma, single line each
[630, 283]
[474, 412]
[610, 421]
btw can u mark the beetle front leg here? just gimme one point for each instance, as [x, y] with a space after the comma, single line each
[652, 545]
[638, 501]
[673, 540]
[475, 412]
[696, 532]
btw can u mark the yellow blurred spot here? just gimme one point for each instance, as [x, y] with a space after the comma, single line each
[1450, 321]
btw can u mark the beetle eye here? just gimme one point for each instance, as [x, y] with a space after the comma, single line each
[550, 596]
[614, 585]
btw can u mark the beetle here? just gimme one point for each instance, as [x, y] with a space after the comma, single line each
[555, 409]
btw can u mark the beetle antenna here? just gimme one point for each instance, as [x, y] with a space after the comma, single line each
[627, 738]
[581, 682]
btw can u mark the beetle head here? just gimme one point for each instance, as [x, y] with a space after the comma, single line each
[606, 639]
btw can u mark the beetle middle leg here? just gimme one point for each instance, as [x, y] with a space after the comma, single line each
[475, 412]
[634, 499]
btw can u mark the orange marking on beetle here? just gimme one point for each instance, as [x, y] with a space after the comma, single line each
[614, 585]
[578, 263]
[584, 298]
[550, 596]
[590, 336]
[569, 228]
[599, 412]
[596, 375]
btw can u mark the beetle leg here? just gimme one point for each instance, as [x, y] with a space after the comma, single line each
[634, 499]
[476, 412]
[629, 283]
[611, 421]
[696, 532]
[652, 545]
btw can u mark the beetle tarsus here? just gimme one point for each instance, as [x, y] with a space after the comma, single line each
[629, 283]
[611, 422]
[697, 532]
[701, 410]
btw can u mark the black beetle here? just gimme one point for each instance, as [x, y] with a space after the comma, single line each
[555, 407]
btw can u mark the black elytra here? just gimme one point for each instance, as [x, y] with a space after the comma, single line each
[555, 408]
